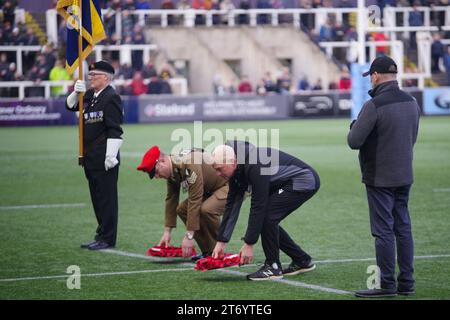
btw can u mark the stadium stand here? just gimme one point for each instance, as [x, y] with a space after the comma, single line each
[146, 39]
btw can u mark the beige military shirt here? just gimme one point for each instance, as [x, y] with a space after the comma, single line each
[199, 179]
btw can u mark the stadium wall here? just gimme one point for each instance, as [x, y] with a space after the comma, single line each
[162, 109]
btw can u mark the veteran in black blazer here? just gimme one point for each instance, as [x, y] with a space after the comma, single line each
[102, 131]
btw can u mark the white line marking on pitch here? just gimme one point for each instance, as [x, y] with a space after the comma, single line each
[44, 206]
[442, 190]
[292, 283]
[96, 274]
[141, 256]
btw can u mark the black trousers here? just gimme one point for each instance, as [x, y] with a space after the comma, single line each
[103, 190]
[390, 224]
[273, 237]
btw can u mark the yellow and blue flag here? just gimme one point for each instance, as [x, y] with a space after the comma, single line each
[92, 29]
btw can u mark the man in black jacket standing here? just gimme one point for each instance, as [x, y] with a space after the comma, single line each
[385, 133]
[279, 183]
[103, 116]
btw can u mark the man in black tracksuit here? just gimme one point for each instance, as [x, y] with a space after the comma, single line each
[279, 184]
[103, 116]
[385, 133]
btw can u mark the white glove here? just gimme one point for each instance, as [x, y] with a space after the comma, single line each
[80, 86]
[72, 99]
[112, 149]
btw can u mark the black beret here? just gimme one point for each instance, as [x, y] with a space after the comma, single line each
[102, 66]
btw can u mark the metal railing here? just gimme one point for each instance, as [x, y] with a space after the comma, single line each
[20, 50]
[178, 85]
[124, 52]
[274, 17]
[396, 49]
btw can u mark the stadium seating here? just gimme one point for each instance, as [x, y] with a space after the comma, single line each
[139, 35]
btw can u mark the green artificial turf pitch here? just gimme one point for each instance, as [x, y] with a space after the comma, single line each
[37, 244]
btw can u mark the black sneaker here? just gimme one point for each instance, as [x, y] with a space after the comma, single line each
[376, 293]
[266, 272]
[294, 269]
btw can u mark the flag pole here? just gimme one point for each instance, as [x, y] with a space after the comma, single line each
[80, 77]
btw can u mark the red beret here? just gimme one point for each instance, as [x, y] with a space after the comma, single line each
[149, 161]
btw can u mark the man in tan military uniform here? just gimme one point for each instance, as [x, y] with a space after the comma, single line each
[207, 194]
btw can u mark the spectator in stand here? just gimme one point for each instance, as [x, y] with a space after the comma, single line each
[333, 85]
[50, 57]
[113, 39]
[303, 84]
[447, 64]
[410, 82]
[183, 5]
[109, 17]
[15, 37]
[116, 65]
[284, 81]
[137, 86]
[244, 18]
[165, 73]
[127, 24]
[383, 3]
[59, 73]
[154, 86]
[33, 75]
[142, 5]
[226, 5]
[326, 31]
[128, 5]
[381, 50]
[318, 85]
[62, 33]
[260, 88]
[8, 12]
[4, 65]
[149, 70]
[41, 69]
[419, 2]
[7, 31]
[345, 82]
[263, 18]
[317, 4]
[159, 86]
[137, 55]
[125, 71]
[268, 83]
[2, 37]
[208, 4]
[218, 86]
[167, 5]
[245, 86]
[437, 52]
[351, 34]
[415, 20]
[339, 32]
[10, 75]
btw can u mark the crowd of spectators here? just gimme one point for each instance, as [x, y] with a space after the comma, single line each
[48, 64]
[283, 83]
